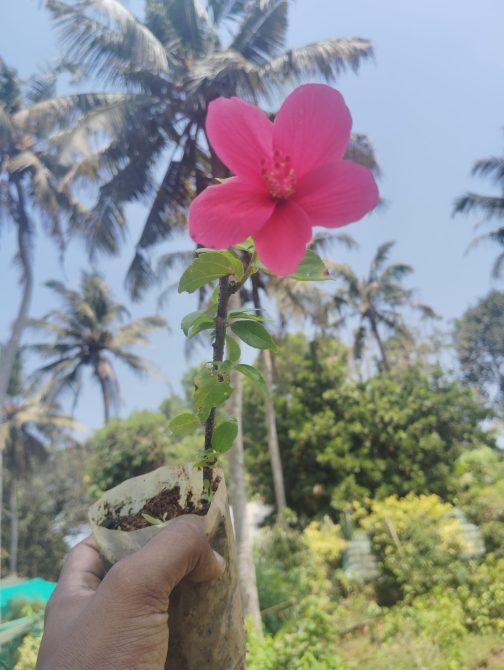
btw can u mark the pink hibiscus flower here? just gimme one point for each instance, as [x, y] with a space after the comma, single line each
[290, 176]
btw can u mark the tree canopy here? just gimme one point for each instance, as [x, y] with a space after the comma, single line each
[344, 440]
[479, 341]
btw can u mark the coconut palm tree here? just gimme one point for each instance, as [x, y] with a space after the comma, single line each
[29, 194]
[490, 206]
[378, 301]
[23, 432]
[168, 69]
[88, 332]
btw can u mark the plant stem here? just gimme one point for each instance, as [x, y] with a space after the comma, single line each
[226, 289]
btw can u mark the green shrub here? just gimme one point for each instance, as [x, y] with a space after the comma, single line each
[480, 474]
[305, 643]
[287, 571]
[482, 596]
[134, 446]
[326, 541]
[419, 543]
[27, 652]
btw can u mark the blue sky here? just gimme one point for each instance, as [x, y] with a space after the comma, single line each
[432, 102]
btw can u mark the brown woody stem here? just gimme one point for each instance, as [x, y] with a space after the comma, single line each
[227, 287]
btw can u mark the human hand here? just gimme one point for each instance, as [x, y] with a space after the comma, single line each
[119, 620]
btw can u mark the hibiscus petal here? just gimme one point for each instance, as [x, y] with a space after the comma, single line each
[336, 194]
[241, 135]
[227, 214]
[281, 243]
[312, 127]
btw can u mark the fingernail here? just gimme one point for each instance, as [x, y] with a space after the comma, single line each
[221, 562]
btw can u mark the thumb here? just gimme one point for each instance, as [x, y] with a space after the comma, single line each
[180, 550]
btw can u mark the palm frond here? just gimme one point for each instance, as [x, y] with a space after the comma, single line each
[109, 44]
[50, 349]
[115, 119]
[57, 369]
[325, 242]
[262, 31]
[498, 266]
[7, 130]
[42, 187]
[41, 87]
[133, 159]
[361, 151]
[223, 10]
[135, 363]
[395, 272]
[62, 290]
[395, 323]
[426, 311]
[345, 273]
[225, 74]
[340, 301]
[298, 300]
[490, 206]
[191, 24]
[103, 228]
[168, 261]
[136, 332]
[394, 293]
[168, 213]
[11, 98]
[379, 259]
[490, 167]
[326, 59]
[141, 275]
[61, 112]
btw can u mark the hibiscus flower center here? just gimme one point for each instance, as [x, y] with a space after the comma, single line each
[279, 175]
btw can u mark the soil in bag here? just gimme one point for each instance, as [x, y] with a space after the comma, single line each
[165, 505]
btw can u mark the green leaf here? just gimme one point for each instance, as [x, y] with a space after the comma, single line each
[248, 246]
[253, 334]
[203, 413]
[152, 520]
[212, 389]
[189, 319]
[184, 424]
[208, 266]
[206, 459]
[254, 375]
[311, 268]
[233, 349]
[224, 435]
[249, 315]
[214, 298]
[203, 323]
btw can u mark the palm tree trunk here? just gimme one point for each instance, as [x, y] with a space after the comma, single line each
[8, 357]
[14, 527]
[238, 496]
[105, 396]
[271, 424]
[376, 335]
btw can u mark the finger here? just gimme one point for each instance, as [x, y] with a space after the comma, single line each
[83, 568]
[181, 550]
